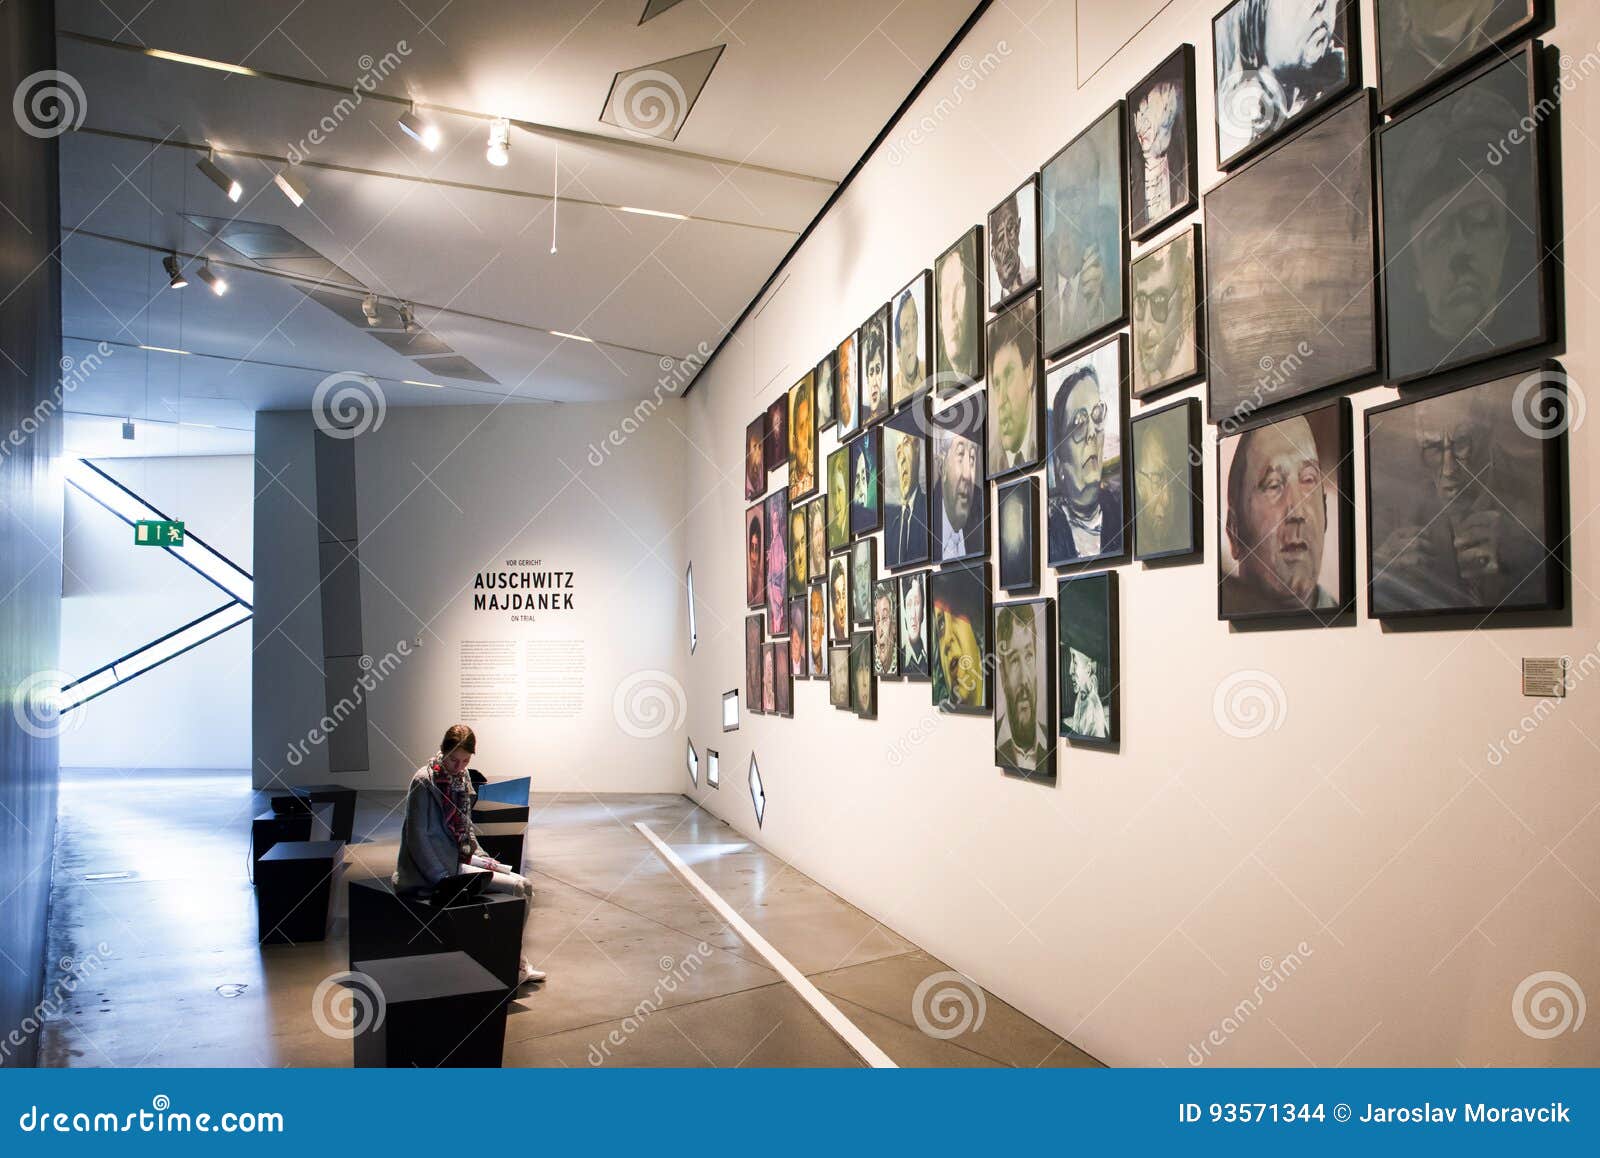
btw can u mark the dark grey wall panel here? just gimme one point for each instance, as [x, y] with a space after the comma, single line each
[347, 706]
[336, 488]
[341, 600]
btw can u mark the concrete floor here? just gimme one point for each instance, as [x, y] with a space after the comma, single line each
[182, 981]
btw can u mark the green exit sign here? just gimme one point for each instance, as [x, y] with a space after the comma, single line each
[156, 533]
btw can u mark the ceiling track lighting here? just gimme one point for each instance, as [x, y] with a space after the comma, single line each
[424, 133]
[175, 278]
[499, 152]
[292, 186]
[218, 177]
[369, 307]
[215, 282]
[408, 318]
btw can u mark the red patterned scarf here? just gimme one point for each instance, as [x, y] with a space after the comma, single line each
[457, 794]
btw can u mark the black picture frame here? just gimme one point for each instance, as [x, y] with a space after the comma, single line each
[1347, 26]
[838, 575]
[755, 459]
[839, 676]
[1519, 18]
[959, 465]
[837, 497]
[1177, 69]
[1534, 403]
[755, 642]
[802, 485]
[1062, 189]
[863, 553]
[907, 541]
[775, 451]
[919, 293]
[816, 535]
[866, 516]
[915, 665]
[1026, 198]
[1187, 469]
[1143, 303]
[777, 597]
[1018, 563]
[863, 680]
[755, 524]
[784, 693]
[817, 615]
[1017, 324]
[1061, 545]
[1008, 757]
[1341, 514]
[1404, 141]
[1088, 613]
[847, 397]
[950, 379]
[798, 643]
[825, 375]
[961, 593]
[886, 636]
[874, 335]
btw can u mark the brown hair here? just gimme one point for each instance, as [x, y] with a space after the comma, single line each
[459, 736]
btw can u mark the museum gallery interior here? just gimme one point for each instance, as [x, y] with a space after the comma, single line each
[845, 534]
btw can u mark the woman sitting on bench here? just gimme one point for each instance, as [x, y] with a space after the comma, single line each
[437, 838]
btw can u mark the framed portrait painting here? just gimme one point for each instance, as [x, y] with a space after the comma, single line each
[839, 599]
[839, 678]
[874, 355]
[838, 499]
[755, 555]
[960, 491]
[799, 551]
[960, 598]
[1167, 483]
[1016, 505]
[1085, 476]
[1167, 314]
[1421, 43]
[817, 536]
[754, 647]
[1024, 654]
[863, 680]
[914, 663]
[1083, 240]
[776, 447]
[782, 680]
[866, 499]
[802, 439]
[778, 563]
[817, 630]
[905, 488]
[958, 316]
[1014, 245]
[1015, 435]
[1161, 145]
[910, 345]
[797, 638]
[827, 389]
[863, 579]
[755, 460]
[847, 397]
[1090, 679]
[886, 629]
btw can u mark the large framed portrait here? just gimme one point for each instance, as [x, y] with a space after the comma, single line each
[960, 597]
[799, 551]
[863, 578]
[838, 499]
[1423, 42]
[839, 677]
[905, 488]
[1285, 526]
[803, 439]
[1024, 653]
[1276, 62]
[886, 628]
[1014, 419]
[1167, 314]
[914, 663]
[1167, 483]
[817, 535]
[958, 316]
[754, 648]
[1084, 239]
[755, 555]
[863, 680]
[839, 599]
[910, 341]
[778, 563]
[1016, 506]
[776, 447]
[1090, 677]
[827, 392]
[847, 389]
[755, 460]
[1014, 244]
[1464, 499]
[1466, 271]
[1161, 145]
[960, 492]
[866, 498]
[782, 680]
[817, 630]
[874, 355]
[797, 638]
[1085, 476]
[1291, 273]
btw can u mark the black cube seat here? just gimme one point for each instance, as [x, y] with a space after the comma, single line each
[385, 924]
[494, 812]
[344, 805]
[439, 1009]
[503, 842]
[270, 828]
[294, 890]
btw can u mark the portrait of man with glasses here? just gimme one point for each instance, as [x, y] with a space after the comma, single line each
[1084, 470]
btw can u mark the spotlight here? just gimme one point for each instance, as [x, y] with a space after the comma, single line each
[424, 133]
[175, 278]
[292, 187]
[127, 431]
[220, 179]
[499, 141]
[215, 282]
[369, 306]
[408, 318]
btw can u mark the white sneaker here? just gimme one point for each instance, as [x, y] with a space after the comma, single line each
[526, 974]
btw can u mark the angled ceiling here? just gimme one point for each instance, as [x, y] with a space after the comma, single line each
[508, 269]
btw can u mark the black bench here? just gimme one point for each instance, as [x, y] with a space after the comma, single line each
[294, 890]
[503, 842]
[386, 924]
[438, 1009]
[344, 805]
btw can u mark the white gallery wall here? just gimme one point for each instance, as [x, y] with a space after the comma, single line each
[117, 597]
[1394, 822]
[586, 697]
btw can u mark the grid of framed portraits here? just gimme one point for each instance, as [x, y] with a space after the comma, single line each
[914, 663]
[960, 597]
[910, 335]
[1024, 649]
[755, 459]
[906, 541]
[958, 316]
[1014, 245]
[803, 438]
[847, 392]
[886, 629]
[1275, 64]
[873, 340]
[1161, 135]
[1091, 681]
[863, 578]
[839, 599]
[1013, 388]
[960, 522]
[1085, 477]
[1166, 314]
[1167, 485]
[1467, 273]
[1285, 524]
[1083, 238]
[866, 497]
[1464, 511]
[863, 680]
[1422, 42]
[1016, 505]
